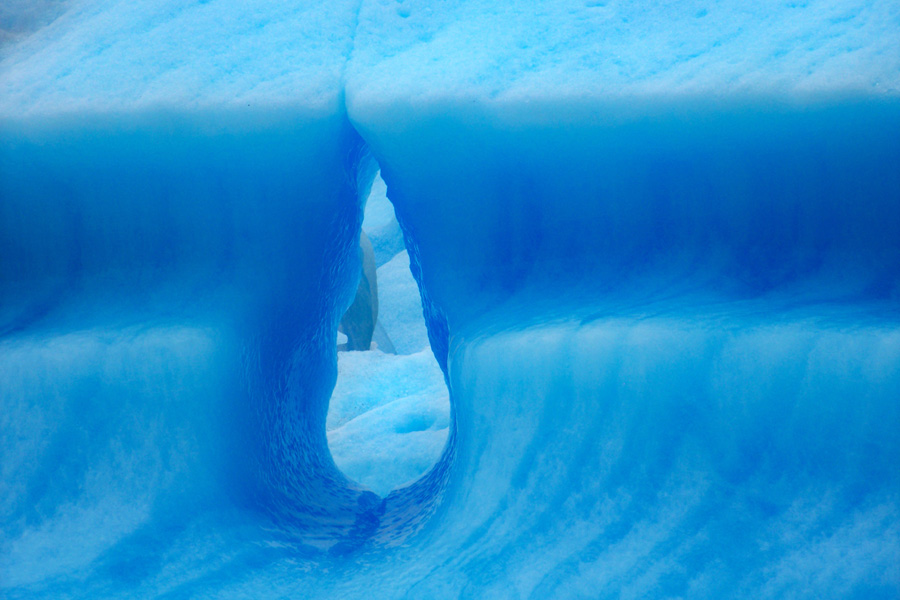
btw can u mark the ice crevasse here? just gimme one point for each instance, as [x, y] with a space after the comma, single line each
[658, 252]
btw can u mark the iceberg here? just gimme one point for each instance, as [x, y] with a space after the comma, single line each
[656, 249]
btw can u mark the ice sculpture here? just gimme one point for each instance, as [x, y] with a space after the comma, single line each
[657, 247]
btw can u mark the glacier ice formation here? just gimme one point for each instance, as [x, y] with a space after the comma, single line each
[657, 248]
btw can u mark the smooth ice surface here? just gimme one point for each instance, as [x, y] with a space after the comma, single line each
[657, 248]
[707, 434]
[18, 18]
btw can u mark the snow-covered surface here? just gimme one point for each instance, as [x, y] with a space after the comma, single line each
[122, 55]
[416, 51]
[388, 417]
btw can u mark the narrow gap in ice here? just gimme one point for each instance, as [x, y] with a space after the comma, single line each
[389, 414]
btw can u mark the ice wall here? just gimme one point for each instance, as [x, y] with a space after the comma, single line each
[173, 270]
[706, 301]
[658, 254]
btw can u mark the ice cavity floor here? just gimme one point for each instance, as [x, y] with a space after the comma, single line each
[390, 411]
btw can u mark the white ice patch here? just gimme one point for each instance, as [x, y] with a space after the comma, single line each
[388, 418]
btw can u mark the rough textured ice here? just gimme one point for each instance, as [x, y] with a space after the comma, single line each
[116, 55]
[656, 246]
[416, 52]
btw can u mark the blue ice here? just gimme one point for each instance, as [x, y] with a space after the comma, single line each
[656, 248]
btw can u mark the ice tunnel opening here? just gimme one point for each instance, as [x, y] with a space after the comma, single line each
[389, 414]
[241, 375]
